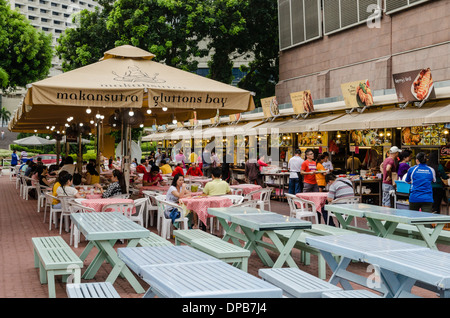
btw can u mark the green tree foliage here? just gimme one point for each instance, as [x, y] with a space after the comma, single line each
[166, 28]
[25, 53]
[5, 115]
[86, 44]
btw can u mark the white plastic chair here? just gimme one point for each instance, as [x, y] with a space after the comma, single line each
[251, 203]
[301, 209]
[346, 200]
[66, 211]
[264, 199]
[26, 187]
[237, 191]
[152, 207]
[141, 206]
[53, 211]
[166, 224]
[41, 199]
[74, 232]
[124, 208]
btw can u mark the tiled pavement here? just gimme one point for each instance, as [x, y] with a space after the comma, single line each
[19, 222]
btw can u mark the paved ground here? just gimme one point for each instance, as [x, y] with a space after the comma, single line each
[19, 222]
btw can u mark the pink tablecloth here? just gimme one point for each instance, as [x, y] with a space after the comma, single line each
[94, 196]
[201, 204]
[247, 188]
[98, 204]
[319, 198]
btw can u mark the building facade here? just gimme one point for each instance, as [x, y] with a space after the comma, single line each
[52, 17]
[324, 43]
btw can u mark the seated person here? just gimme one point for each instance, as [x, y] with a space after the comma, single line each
[178, 169]
[338, 188]
[68, 166]
[165, 167]
[217, 186]
[153, 178]
[92, 176]
[176, 191]
[66, 188]
[194, 170]
[117, 186]
[56, 203]
[42, 173]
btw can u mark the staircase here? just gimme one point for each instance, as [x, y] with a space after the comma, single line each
[8, 138]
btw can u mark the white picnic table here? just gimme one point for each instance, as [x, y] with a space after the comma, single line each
[102, 230]
[384, 221]
[184, 272]
[256, 223]
[397, 266]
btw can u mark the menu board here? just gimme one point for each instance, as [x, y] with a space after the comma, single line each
[365, 138]
[414, 85]
[302, 102]
[270, 107]
[311, 138]
[424, 135]
[357, 94]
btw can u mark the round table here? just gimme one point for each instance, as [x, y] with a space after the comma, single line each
[319, 198]
[200, 205]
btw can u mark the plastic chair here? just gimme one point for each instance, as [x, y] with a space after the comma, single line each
[41, 199]
[141, 206]
[264, 199]
[53, 211]
[124, 208]
[251, 203]
[76, 207]
[237, 191]
[152, 207]
[346, 200]
[66, 211]
[301, 209]
[166, 224]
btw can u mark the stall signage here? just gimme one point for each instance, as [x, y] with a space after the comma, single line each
[432, 135]
[270, 107]
[311, 139]
[414, 85]
[365, 138]
[357, 94]
[445, 151]
[302, 102]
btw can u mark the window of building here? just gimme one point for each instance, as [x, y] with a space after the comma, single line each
[44, 20]
[393, 6]
[30, 17]
[339, 15]
[300, 21]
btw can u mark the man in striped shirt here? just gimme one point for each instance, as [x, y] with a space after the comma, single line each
[338, 188]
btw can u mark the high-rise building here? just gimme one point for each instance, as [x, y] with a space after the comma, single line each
[52, 16]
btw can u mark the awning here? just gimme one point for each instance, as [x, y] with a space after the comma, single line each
[304, 125]
[389, 118]
[155, 136]
[441, 115]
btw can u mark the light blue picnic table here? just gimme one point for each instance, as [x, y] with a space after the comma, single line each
[184, 272]
[102, 230]
[256, 223]
[384, 221]
[396, 266]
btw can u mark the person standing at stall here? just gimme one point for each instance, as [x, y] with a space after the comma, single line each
[389, 168]
[308, 170]
[321, 172]
[295, 177]
[421, 177]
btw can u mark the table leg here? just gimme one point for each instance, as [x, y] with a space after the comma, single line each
[230, 232]
[119, 267]
[344, 222]
[337, 269]
[430, 239]
[284, 249]
[253, 237]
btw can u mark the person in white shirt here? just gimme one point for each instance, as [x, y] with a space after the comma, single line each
[327, 163]
[66, 188]
[295, 178]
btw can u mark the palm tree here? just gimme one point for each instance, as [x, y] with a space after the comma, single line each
[5, 115]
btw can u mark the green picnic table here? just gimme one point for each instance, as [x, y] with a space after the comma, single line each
[384, 221]
[102, 230]
[256, 223]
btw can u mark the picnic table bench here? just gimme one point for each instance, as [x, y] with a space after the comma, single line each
[214, 246]
[296, 283]
[54, 256]
[153, 240]
[92, 290]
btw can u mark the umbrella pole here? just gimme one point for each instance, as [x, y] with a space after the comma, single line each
[97, 144]
[80, 155]
[126, 135]
[58, 150]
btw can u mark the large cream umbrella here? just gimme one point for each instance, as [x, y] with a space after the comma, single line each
[124, 81]
[126, 78]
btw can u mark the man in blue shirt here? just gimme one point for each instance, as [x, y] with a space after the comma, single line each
[421, 176]
[14, 158]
